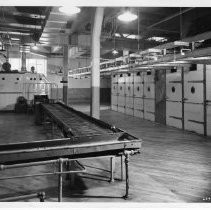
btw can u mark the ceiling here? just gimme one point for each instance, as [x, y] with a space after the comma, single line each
[49, 29]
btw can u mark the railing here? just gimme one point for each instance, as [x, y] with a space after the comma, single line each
[171, 53]
[41, 195]
[60, 163]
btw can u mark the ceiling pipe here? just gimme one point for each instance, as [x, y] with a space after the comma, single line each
[95, 75]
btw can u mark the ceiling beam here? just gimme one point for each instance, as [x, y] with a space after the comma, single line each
[129, 44]
[8, 11]
[198, 37]
[29, 15]
[14, 29]
[170, 17]
[21, 26]
[38, 53]
[16, 33]
[165, 30]
[21, 20]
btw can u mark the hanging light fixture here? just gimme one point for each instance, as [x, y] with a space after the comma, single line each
[127, 16]
[69, 10]
[114, 51]
[35, 47]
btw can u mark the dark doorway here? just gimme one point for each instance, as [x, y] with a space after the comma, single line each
[160, 96]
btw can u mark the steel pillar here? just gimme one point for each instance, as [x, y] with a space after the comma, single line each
[95, 73]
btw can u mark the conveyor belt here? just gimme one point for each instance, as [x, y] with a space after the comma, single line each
[89, 137]
[78, 125]
[52, 149]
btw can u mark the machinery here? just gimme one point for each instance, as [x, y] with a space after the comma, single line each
[26, 84]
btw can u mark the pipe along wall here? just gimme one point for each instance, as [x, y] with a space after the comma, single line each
[180, 98]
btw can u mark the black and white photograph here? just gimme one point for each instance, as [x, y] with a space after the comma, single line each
[105, 102]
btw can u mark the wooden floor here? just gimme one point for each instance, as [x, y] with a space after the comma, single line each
[174, 165]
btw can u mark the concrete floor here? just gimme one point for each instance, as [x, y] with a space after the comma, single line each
[174, 166]
[85, 107]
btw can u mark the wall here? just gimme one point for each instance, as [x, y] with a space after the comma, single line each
[79, 90]
[184, 101]
[75, 63]
[54, 65]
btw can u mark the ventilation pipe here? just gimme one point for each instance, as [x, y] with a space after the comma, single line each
[95, 72]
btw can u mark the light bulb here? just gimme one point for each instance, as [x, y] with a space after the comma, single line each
[35, 47]
[114, 52]
[127, 17]
[69, 10]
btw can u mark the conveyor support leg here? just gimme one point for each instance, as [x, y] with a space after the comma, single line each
[127, 174]
[41, 196]
[122, 175]
[60, 180]
[112, 167]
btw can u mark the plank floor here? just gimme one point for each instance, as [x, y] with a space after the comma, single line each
[174, 165]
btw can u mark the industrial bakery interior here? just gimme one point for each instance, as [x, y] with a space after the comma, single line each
[105, 104]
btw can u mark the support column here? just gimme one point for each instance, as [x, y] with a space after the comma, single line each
[23, 61]
[95, 77]
[112, 168]
[65, 76]
[127, 175]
